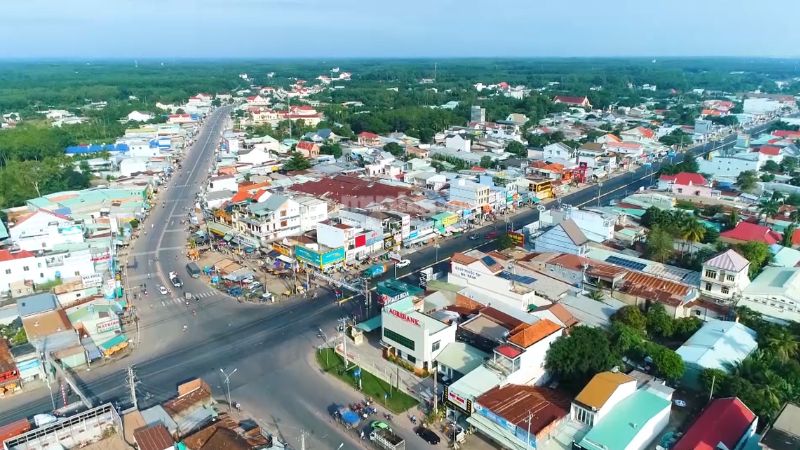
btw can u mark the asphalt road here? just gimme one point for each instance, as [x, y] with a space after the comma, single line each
[270, 345]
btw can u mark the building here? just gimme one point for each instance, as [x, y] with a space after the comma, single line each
[783, 434]
[775, 294]
[489, 280]
[274, 218]
[153, 437]
[458, 142]
[582, 102]
[308, 149]
[368, 139]
[413, 336]
[725, 275]
[717, 345]
[728, 167]
[137, 116]
[725, 423]
[518, 416]
[42, 229]
[312, 212]
[748, 232]
[632, 424]
[565, 237]
[75, 431]
[638, 134]
[600, 395]
[468, 192]
[557, 151]
[458, 359]
[687, 184]
[477, 114]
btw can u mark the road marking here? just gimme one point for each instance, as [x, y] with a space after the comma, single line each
[153, 252]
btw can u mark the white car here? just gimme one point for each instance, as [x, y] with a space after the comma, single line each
[403, 263]
[163, 290]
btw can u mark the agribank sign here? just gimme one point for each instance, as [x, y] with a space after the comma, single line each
[404, 316]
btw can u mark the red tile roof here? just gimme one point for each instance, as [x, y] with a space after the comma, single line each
[685, 178]
[570, 100]
[534, 333]
[7, 255]
[724, 420]
[306, 145]
[508, 351]
[368, 135]
[351, 191]
[646, 132]
[746, 231]
[519, 403]
[787, 134]
[770, 150]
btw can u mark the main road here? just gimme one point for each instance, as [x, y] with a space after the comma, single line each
[271, 345]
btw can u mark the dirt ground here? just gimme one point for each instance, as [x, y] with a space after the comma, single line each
[274, 284]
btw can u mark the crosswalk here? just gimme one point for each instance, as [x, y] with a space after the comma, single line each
[173, 299]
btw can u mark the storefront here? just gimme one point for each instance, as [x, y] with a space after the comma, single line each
[319, 260]
[444, 222]
[412, 336]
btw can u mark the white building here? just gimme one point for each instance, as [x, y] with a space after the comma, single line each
[600, 395]
[761, 106]
[223, 183]
[775, 293]
[458, 142]
[137, 116]
[725, 275]
[557, 151]
[486, 278]
[42, 230]
[312, 212]
[413, 336]
[473, 194]
[41, 267]
[564, 237]
[727, 167]
[276, 217]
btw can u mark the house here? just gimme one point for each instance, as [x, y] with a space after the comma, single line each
[136, 116]
[717, 345]
[274, 218]
[725, 275]
[517, 119]
[223, 183]
[308, 149]
[458, 142]
[687, 184]
[638, 134]
[749, 232]
[557, 151]
[775, 294]
[582, 102]
[725, 423]
[458, 359]
[783, 434]
[633, 424]
[43, 229]
[153, 437]
[469, 193]
[564, 237]
[368, 139]
[518, 416]
[600, 395]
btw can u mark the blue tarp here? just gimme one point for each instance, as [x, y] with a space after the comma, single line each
[349, 417]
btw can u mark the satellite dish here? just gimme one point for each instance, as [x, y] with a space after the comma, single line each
[541, 208]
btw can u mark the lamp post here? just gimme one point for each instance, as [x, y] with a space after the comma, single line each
[228, 384]
[599, 192]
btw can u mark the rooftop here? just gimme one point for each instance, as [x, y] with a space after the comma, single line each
[520, 403]
[717, 344]
[746, 231]
[728, 260]
[45, 324]
[600, 388]
[619, 427]
[153, 437]
[784, 434]
[351, 191]
[724, 420]
[36, 304]
[534, 333]
[461, 357]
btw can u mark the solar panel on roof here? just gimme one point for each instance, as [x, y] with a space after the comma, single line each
[524, 279]
[626, 263]
[488, 260]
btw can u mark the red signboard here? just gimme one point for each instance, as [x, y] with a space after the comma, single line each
[404, 316]
[361, 240]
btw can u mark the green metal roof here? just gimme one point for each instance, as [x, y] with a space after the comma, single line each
[461, 357]
[118, 339]
[618, 428]
[370, 324]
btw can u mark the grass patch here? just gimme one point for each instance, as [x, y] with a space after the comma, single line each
[372, 386]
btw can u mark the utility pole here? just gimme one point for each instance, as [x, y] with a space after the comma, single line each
[132, 386]
[302, 440]
[228, 384]
[435, 394]
[367, 296]
[343, 322]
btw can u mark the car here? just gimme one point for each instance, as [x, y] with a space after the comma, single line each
[491, 235]
[427, 435]
[474, 237]
[163, 290]
[403, 263]
[176, 282]
[380, 424]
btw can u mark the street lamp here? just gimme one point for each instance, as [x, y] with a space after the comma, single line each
[599, 191]
[228, 384]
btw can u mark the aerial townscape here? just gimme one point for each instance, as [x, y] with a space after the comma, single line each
[257, 250]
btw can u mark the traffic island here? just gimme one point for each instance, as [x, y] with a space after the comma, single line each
[371, 386]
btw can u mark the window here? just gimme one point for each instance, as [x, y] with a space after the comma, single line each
[708, 286]
[399, 338]
[411, 359]
[283, 213]
[436, 346]
[283, 224]
[41, 275]
[725, 290]
[77, 273]
[730, 278]
[711, 274]
[8, 271]
[26, 268]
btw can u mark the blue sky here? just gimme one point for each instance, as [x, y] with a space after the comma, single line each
[398, 28]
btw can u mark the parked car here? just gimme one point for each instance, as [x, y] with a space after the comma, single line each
[427, 435]
[403, 263]
[163, 290]
[491, 235]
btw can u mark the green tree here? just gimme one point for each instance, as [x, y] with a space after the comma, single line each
[578, 356]
[771, 167]
[732, 219]
[747, 180]
[788, 234]
[517, 149]
[683, 328]
[768, 208]
[788, 164]
[711, 236]
[693, 232]
[596, 295]
[296, 162]
[783, 344]
[394, 148]
[659, 245]
[793, 199]
[505, 241]
[757, 253]
[631, 316]
[659, 323]
[667, 364]
[331, 149]
[486, 162]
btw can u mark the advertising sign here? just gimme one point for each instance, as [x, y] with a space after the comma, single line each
[282, 249]
[458, 401]
[332, 257]
[450, 219]
[108, 325]
[404, 316]
[313, 258]
[92, 280]
[517, 238]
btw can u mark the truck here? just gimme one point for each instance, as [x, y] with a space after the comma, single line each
[374, 270]
[387, 440]
[193, 269]
[173, 278]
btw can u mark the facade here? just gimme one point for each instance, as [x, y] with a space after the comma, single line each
[775, 293]
[41, 267]
[727, 167]
[557, 151]
[276, 217]
[413, 336]
[717, 345]
[601, 395]
[473, 194]
[783, 434]
[687, 184]
[41, 230]
[487, 278]
[725, 275]
[458, 142]
[312, 211]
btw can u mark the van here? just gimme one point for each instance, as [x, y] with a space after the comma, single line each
[193, 269]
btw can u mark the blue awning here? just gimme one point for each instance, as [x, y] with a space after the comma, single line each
[370, 324]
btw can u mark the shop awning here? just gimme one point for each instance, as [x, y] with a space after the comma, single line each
[227, 238]
[494, 432]
[370, 324]
[285, 259]
[273, 254]
[114, 344]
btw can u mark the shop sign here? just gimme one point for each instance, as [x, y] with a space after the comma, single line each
[450, 219]
[108, 325]
[332, 257]
[458, 401]
[282, 249]
[307, 255]
[388, 242]
[93, 280]
[404, 316]
[517, 238]
[465, 272]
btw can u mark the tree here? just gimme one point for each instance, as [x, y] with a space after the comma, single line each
[783, 344]
[711, 236]
[331, 149]
[793, 199]
[631, 316]
[394, 148]
[659, 323]
[578, 356]
[747, 180]
[788, 235]
[768, 208]
[788, 164]
[684, 327]
[660, 245]
[597, 295]
[693, 232]
[486, 162]
[771, 167]
[516, 148]
[297, 162]
[667, 364]
[505, 241]
[732, 219]
[757, 253]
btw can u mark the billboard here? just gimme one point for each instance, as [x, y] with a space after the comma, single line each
[314, 258]
[517, 238]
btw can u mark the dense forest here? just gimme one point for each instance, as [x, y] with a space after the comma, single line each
[31, 156]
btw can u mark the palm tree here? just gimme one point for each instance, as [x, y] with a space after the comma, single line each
[693, 232]
[788, 235]
[733, 219]
[783, 344]
[777, 197]
[596, 295]
[768, 208]
[794, 216]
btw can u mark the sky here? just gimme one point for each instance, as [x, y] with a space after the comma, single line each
[397, 28]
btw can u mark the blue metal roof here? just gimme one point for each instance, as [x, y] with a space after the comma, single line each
[95, 148]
